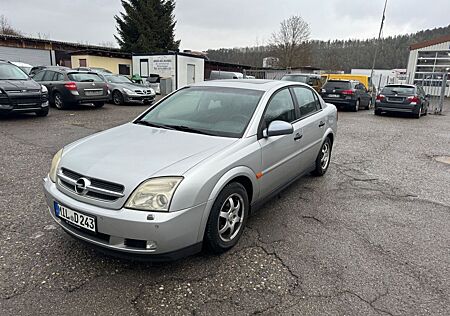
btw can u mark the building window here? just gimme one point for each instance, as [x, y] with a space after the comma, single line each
[83, 62]
[124, 69]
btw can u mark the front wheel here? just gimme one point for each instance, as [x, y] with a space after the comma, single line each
[227, 218]
[323, 158]
[117, 98]
[356, 106]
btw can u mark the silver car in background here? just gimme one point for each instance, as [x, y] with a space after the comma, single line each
[189, 170]
[123, 90]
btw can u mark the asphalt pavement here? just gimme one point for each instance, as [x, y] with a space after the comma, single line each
[372, 237]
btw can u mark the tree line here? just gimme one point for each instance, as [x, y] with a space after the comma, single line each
[337, 54]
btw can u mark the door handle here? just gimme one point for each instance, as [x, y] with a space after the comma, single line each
[298, 136]
[321, 124]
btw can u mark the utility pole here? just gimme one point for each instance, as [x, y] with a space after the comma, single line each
[378, 44]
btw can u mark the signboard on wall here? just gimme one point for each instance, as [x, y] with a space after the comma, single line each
[162, 63]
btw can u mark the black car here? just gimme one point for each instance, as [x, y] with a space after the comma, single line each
[349, 94]
[312, 80]
[20, 93]
[67, 87]
[402, 98]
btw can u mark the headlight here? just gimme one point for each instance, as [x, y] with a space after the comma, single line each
[128, 91]
[44, 89]
[154, 194]
[54, 166]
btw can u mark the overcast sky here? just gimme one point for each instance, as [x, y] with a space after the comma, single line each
[204, 24]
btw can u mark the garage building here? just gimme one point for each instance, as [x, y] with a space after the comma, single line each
[428, 62]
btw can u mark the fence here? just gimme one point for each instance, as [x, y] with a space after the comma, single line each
[436, 85]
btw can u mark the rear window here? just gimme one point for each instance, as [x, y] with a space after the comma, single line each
[84, 77]
[398, 90]
[337, 85]
[295, 78]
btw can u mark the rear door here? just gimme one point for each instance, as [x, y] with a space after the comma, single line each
[363, 94]
[312, 123]
[279, 154]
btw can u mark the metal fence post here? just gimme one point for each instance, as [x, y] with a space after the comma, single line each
[442, 96]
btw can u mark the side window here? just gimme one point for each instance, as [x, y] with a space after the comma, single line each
[307, 101]
[39, 76]
[59, 77]
[49, 75]
[281, 107]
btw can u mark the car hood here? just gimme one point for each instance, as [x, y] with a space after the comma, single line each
[131, 153]
[14, 85]
[130, 86]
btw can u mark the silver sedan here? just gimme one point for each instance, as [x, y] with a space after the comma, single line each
[188, 172]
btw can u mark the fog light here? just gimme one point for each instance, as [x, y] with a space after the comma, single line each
[151, 245]
[44, 105]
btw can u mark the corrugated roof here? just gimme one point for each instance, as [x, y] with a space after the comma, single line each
[438, 40]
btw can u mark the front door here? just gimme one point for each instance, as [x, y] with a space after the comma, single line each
[279, 154]
[190, 74]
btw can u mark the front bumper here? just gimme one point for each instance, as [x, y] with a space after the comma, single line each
[138, 98]
[29, 108]
[118, 230]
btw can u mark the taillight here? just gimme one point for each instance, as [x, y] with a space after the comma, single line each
[380, 97]
[72, 86]
[414, 99]
[348, 92]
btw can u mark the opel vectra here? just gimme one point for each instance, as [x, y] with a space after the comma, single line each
[188, 171]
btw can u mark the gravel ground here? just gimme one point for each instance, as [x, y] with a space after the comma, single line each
[370, 238]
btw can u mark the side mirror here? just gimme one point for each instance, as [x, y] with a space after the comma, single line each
[277, 128]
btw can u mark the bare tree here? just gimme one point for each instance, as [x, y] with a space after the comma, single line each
[290, 42]
[6, 28]
[108, 44]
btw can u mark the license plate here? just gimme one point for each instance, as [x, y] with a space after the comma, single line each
[334, 96]
[92, 93]
[76, 218]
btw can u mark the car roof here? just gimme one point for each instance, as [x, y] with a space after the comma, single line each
[251, 84]
[302, 74]
[400, 85]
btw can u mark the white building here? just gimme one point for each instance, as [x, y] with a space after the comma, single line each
[427, 63]
[182, 68]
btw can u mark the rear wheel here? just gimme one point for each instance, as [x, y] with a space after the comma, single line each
[99, 104]
[227, 219]
[43, 112]
[356, 106]
[323, 158]
[59, 102]
[418, 114]
[117, 98]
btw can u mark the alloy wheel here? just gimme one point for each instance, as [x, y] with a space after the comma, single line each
[58, 101]
[231, 217]
[325, 159]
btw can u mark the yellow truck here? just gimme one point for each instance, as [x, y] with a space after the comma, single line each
[361, 78]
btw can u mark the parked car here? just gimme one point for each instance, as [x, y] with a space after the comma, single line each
[346, 93]
[312, 80]
[202, 159]
[123, 90]
[24, 66]
[94, 69]
[219, 74]
[67, 87]
[20, 93]
[37, 69]
[402, 98]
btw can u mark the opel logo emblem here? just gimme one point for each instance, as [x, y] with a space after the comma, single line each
[81, 186]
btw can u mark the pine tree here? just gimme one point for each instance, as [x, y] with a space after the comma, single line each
[147, 26]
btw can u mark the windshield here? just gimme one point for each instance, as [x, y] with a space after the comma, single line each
[11, 72]
[296, 78]
[118, 79]
[337, 85]
[206, 110]
[84, 77]
[398, 90]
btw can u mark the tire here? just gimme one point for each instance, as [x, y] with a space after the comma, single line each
[377, 112]
[117, 98]
[323, 158]
[426, 112]
[42, 113]
[369, 106]
[356, 106]
[58, 101]
[418, 114]
[99, 104]
[222, 215]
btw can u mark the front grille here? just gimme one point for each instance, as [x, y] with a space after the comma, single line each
[99, 189]
[143, 92]
[26, 101]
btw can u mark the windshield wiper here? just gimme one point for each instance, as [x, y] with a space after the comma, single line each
[147, 123]
[188, 129]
